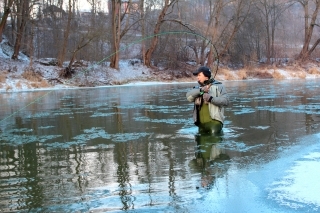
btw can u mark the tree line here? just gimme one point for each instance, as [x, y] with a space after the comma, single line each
[163, 32]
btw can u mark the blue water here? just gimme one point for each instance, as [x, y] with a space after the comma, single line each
[132, 148]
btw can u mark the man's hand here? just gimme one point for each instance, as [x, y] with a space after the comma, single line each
[206, 88]
[207, 97]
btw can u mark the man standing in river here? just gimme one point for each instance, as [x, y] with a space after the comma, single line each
[209, 99]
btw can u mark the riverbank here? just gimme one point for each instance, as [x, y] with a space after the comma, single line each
[21, 76]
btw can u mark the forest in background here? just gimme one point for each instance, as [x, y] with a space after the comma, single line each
[163, 33]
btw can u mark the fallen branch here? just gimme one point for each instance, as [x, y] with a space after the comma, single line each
[55, 79]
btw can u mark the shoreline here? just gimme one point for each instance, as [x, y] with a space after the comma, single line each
[19, 77]
[135, 83]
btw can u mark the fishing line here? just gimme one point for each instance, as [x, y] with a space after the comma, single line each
[34, 101]
[121, 49]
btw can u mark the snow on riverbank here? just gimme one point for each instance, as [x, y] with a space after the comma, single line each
[20, 75]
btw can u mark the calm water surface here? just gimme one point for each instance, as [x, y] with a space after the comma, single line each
[135, 149]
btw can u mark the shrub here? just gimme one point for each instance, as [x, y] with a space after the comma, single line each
[30, 75]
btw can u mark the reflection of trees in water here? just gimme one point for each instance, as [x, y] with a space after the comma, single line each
[312, 122]
[123, 177]
[28, 180]
[125, 192]
[210, 159]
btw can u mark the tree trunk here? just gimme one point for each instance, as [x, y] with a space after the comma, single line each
[81, 45]
[116, 20]
[314, 46]
[305, 53]
[62, 54]
[4, 18]
[31, 47]
[142, 17]
[67, 72]
[238, 19]
[268, 39]
[24, 11]
[157, 27]
[214, 16]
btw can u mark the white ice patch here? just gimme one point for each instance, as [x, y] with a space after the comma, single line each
[260, 127]
[301, 186]
[191, 131]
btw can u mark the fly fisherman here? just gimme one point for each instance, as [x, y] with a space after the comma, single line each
[209, 99]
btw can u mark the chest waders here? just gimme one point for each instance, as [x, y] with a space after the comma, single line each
[207, 125]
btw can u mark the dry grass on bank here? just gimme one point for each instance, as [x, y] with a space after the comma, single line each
[314, 71]
[35, 80]
[3, 77]
[242, 74]
[30, 75]
[28, 79]
[270, 72]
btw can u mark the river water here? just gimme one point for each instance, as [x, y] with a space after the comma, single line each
[134, 148]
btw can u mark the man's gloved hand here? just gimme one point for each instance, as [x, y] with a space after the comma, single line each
[205, 88]
[207, 97]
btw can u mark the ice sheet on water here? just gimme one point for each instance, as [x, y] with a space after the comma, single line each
[299, 187]
[167, 121]
[45, 127]
[125, 137]
[308, 109]
[238, 146]
[101, 114]
[23, 136]
[94, 132]
[260, 127]
[191, 131]
[244, 110]
[99, 132]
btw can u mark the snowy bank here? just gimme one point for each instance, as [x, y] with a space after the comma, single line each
[21, 75]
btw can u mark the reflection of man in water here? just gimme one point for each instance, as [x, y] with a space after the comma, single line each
[209, 99]
[209, 157]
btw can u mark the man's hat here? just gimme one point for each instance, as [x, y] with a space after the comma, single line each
[205, 70]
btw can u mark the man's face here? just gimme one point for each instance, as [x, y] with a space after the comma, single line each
[201, 78]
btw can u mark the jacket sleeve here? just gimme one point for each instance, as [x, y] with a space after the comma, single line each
[222, 99]
[192, 94]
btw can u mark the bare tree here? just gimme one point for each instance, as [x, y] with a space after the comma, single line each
[7, 5]
[142, 23]
[271, 12]
[23, 15]
[31, 46]
[84, 41]
[241, 11]
[77, 40]
[62, 52]
[154, 41]
[119, 14]
[216, 8]
[51, 25]
[74, 34]
[116, 24]
[248, 45]
[220, 23]
[309, 24]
